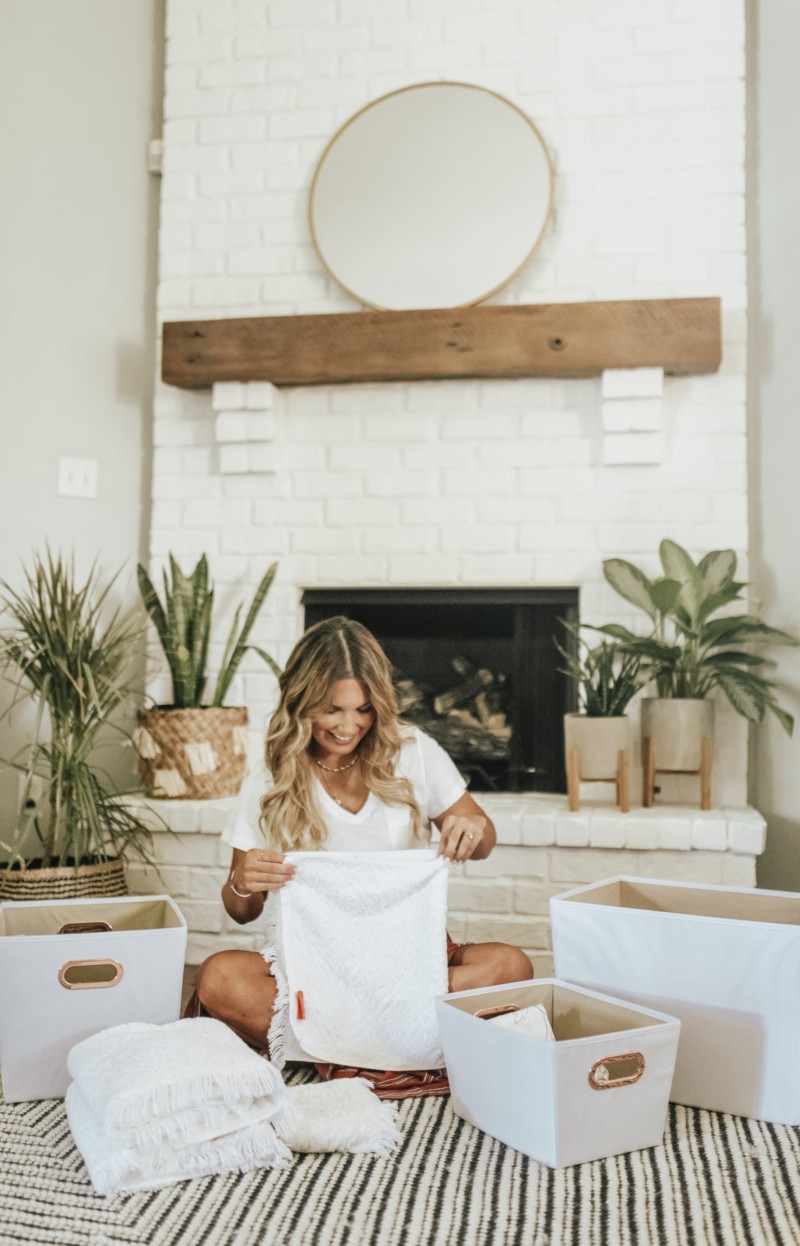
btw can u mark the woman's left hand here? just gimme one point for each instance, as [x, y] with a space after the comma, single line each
[460, 836]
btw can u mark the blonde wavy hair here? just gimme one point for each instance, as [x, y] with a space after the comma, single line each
[334, 649]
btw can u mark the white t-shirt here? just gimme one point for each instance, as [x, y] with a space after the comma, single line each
[377, 826]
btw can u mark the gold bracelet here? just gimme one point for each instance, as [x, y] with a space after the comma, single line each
[243, 895]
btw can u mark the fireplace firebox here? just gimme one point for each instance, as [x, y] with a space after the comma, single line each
[478, 669]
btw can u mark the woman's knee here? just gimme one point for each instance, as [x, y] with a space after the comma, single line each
[510, 964]
[220, 978]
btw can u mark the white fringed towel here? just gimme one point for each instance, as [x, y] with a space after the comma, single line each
[358, 950]
[115, 1168]
[178, 1083]
[151, 1105]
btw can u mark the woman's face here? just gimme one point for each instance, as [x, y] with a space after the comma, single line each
[345, 721]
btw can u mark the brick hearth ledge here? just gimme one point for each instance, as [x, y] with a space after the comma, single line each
[542, 850]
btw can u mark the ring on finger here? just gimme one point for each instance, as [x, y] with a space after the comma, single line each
[470, 835]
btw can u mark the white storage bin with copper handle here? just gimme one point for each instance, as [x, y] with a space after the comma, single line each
[69, 968]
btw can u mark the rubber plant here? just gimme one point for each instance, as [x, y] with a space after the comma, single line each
[196, 746]
[697, 642]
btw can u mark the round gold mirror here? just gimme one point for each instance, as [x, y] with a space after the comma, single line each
[434, 196]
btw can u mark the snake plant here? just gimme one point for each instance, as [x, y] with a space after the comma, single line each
[183, 623]
[696, 644]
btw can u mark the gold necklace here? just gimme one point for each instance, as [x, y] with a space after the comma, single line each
[335, 769]
[326, 782]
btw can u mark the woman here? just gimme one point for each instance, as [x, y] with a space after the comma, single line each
[345, 775]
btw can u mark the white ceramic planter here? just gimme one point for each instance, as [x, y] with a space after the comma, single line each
[599, 742]
[676, 728]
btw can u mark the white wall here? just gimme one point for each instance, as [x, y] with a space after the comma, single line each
[774, 245]
[80, 97]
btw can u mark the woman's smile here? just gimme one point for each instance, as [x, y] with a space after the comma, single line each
[345, 721]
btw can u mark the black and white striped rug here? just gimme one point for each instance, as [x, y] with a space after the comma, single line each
[717, 1179]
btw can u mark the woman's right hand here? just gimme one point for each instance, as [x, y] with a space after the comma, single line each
[259, 870]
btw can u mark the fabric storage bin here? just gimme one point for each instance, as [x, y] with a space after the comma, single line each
[725, 960]
[71, 967]
[600, 1089]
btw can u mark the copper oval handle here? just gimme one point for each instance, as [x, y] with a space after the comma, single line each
[84, 927]
[614, 1071]
[90, 975]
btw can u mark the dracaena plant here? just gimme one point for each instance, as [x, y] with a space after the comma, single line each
[697, 643]
[183, 623]
[66, 648]
[606, 675]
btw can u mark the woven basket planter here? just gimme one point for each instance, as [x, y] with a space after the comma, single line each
[198, 754]
[64, 882]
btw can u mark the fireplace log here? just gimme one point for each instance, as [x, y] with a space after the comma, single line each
[447, 701]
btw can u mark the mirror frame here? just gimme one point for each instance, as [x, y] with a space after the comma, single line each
[374, 104]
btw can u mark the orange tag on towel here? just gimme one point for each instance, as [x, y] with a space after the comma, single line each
[301, 1006]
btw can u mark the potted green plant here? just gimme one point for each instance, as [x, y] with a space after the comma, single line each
[696, 645]
[597, 736]
[196, 749]
[71, 653]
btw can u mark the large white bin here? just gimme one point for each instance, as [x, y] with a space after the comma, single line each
[725, 960]
[58, 987]
[602, 1088]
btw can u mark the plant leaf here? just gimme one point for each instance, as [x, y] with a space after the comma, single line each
[742, 695]
[717, 570]
[271, 663]
[676, 562]
[228, 671]
[665, 594]
[630, 583]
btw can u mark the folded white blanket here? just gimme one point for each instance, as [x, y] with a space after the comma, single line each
[358, 950]
[114, 1168]
[176, 1083]
[150, 1105]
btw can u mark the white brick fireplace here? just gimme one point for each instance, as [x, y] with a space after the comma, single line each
[479, 483]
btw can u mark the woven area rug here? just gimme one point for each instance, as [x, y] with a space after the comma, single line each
[717, 1179]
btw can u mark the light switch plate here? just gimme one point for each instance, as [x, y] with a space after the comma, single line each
[77, 478]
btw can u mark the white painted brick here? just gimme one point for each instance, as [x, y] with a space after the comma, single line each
[632, 448]
[675, 834]
[572, 830]
[641, 830]
[572, 866]
[539, 828]
[204, 916]
[469, 895]
[399, 540]
[327, 485]
[518, 931]
[606, 830]
[632, 415]
[709, 832]
[747, 835]
[246, 456]
[739, 871]
[534, 898]
[231, 426]
[690, 867]
[415, 570]
[149, 880]
[508, 826]
[341, 569]
[364, 512]
[477, 538]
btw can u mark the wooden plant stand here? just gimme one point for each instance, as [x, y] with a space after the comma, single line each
[620, 779]
[650, 770]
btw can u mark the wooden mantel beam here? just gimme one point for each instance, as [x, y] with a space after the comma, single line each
[681, 336]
